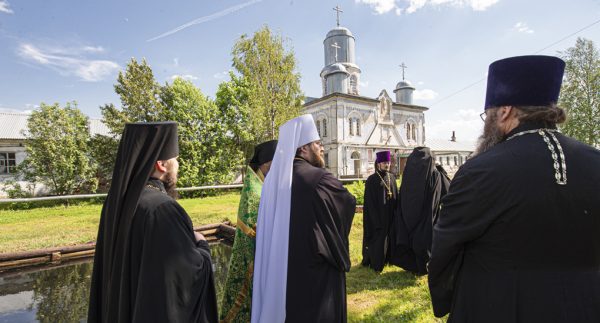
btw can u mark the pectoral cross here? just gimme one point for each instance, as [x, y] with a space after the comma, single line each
[402, 66]
[336, 46]
[338, 10]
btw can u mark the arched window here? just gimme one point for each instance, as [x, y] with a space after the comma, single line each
[355, 155]
[350, 126]
[319, 127]
[353, 84]
[324, 127]
[357, 126]
[414, 132]
[411, 131]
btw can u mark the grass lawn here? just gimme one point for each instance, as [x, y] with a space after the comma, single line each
[392, 296]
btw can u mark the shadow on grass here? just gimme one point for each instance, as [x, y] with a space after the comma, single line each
[361, 279]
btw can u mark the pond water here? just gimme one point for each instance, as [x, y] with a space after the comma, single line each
[60, 293]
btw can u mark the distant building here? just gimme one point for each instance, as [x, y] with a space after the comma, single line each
[451, 153]
[12, 143]
[354, 127]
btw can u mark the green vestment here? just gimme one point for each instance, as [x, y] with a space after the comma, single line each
[236, 303]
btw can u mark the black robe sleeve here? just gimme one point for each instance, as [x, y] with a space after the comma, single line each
[460, 221]
[334, 220]
[175, 280]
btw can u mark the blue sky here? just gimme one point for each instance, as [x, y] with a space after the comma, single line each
[64, 50]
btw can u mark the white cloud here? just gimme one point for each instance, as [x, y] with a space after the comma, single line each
[221, 75]
[425, 94]
[188, 77]
[412, 6]
[466, 123]
[68, 61]
[380, 6]
[522, 28]
[5, 7]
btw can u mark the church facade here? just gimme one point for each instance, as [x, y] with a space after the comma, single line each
[354, 127]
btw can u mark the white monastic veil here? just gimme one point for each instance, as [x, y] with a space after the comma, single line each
[273, 224]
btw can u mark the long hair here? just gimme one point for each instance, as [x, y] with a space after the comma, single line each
[550, 116]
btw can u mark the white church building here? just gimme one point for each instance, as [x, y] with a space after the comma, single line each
[354, 127]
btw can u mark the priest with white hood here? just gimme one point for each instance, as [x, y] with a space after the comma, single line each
[304, 220]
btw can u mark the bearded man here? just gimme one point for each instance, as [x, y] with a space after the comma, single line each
[304, 220]
[517, 239]
[378, 212]
[149, 265]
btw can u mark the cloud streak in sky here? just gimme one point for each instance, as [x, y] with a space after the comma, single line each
[205, 19]
[89, 70]
[522, 28]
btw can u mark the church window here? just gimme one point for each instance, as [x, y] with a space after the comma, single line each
[357, 126]
[351, 127]
[324, 127]
[411, 131]
[8, 163]
[326, 157]
[355, 155]
[353, 84]
[448, 160]
[455, 161]
[370, 154]
[319, 127]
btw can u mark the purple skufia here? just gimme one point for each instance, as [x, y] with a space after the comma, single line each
[524, 81]
[383, 156]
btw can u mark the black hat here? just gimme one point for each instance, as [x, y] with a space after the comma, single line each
[263, 153]
[524, 81]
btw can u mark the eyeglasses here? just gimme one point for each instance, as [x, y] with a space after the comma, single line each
[483, 115]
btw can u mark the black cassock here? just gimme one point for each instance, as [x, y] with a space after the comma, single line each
[423, 185]
[511, 245]
[320, 220]
[378, 212]
[164, 275]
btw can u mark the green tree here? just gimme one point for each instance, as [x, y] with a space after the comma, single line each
[140, 98]
[207, 154]
[140, 102]
[580, 93]
[268, 84]
[58, 151]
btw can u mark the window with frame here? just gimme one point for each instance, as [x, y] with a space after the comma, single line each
[324, 121]
[319, 127]
[326, 157]
[350, 122]
[8, 163]
[357, 121]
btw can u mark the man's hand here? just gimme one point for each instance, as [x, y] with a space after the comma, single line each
[199, 236]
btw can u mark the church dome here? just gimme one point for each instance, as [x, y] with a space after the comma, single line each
[339, 31]
[334, 68]
[404, 84]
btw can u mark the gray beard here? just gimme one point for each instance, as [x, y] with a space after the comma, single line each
[492, 135]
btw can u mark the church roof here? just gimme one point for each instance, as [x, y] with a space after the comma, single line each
[12, 125]
[307, 104]
[334, 68]
[339, 31]
[449, 146]
[404, 84]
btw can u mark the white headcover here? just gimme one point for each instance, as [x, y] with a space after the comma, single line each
[273, 224]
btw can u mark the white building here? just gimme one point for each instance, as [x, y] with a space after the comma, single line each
[354, 127]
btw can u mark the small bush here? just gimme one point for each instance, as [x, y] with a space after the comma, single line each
[358, 190]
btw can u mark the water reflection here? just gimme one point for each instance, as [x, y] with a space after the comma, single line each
[60, 294]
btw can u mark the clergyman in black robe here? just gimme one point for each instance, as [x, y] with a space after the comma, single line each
[423, 185]
[378, 211]
[321, 216]
[149, 265]
[518, 237]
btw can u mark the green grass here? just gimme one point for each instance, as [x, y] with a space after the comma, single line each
[60, 226]
[391, 296]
